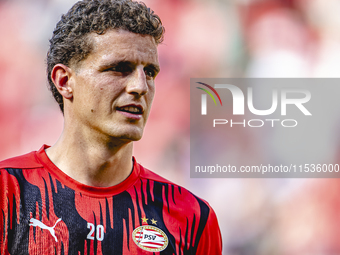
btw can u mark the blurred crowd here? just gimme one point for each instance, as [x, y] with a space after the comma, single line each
[204, 39]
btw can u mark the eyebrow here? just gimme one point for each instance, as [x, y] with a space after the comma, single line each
[122, 62]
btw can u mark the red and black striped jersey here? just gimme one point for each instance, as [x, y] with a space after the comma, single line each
[44, 211]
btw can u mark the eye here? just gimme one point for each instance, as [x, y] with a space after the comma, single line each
[150, 72]
[123, 68]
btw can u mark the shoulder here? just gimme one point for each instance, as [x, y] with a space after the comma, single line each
[148, 174]
[28, 160]
[187, 208]
[175, 191]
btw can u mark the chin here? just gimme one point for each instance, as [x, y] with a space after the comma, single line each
[124, 132]
[129, 136]
[128, 139]
[133, 137]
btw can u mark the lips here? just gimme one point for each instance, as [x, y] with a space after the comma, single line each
[132, 109]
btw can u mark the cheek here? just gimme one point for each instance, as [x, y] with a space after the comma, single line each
[151, 92]
[110, 84]
[104, 98]
[150, 97]
[100, 91]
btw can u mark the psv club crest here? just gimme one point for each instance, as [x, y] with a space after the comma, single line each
[150, 238]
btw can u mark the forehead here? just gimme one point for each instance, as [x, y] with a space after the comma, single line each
[123, 45]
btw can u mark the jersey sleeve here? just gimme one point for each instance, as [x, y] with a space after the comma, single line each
[211, 240]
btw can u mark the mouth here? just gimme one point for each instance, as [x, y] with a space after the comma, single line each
[132, 109]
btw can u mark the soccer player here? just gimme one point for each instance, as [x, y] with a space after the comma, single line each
[87, 194]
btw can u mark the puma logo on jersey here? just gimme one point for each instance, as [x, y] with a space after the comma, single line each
[37, 223]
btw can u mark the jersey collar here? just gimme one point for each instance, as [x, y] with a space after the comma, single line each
[85, 189]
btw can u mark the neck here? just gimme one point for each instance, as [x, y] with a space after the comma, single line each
[92, 160]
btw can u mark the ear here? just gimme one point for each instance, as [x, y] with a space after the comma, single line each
[61, 77]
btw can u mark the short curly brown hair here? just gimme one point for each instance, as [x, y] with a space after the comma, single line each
[69, 42]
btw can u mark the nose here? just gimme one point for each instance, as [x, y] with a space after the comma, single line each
[137, 84]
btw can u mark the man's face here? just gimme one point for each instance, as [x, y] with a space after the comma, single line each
[114, 86]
